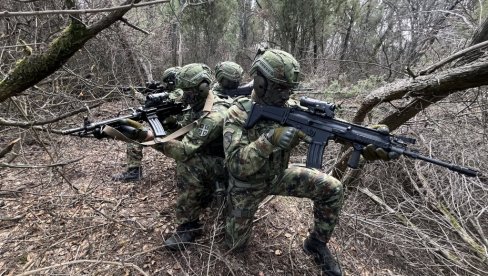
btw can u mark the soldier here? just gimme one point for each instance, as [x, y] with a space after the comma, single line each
[257, 162]
[134, 151]
[199, 154]
[228, 75]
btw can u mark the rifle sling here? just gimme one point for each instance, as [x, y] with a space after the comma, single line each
[112, 132]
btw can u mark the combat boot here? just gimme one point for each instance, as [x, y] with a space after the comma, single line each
[185, 233]
[318, 248]
[132, 174]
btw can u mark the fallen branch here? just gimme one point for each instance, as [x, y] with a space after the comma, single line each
[452, 57]
[406, 222]
[10, 14]
[12, 219]
[26, 166]
[9, 147]
[4, 122]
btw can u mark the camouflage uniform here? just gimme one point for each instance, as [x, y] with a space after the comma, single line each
[258, 169]
[199, 161]
[134, 151]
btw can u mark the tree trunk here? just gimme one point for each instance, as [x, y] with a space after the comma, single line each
[424, 90]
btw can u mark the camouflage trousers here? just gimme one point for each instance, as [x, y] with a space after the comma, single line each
[196, 179]
[134, 155]
[244, 198]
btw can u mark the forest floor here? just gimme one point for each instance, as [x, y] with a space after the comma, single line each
[74, 220]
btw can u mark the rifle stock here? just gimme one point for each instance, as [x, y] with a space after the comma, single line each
[318, 122]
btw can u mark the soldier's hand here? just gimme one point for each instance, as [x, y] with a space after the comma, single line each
[170, 122]
[99, 134]
[285, 137]
[371, 152]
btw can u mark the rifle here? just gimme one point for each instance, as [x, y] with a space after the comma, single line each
[151, 87]
[243, 90]
[156, 108]
[317, 121]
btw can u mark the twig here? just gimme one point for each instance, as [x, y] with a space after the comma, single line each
[85, 261]
[49, 121]
[12, 219]
[8, 148]
[26, 166]
[289, 253]
[452, 57]
[405, 221]
[266, 201]
[9, 14]
[134, 26]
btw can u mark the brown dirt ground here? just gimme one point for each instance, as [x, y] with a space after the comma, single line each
[74, 220]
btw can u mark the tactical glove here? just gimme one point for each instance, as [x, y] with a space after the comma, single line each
[371, 152]
[285, 137]
[99, 134]
[170, 123]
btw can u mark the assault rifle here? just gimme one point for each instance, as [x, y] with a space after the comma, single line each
[151, 87]
[317, 121]
[156, 108]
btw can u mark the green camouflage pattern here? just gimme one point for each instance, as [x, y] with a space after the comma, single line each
[191, 75]
[277, 66]
[176, 95]
[196, 179]
[134, 155]
[258, 169]
[228, 70]
[200, 160]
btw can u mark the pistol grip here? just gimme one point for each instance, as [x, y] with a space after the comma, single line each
[356, 155]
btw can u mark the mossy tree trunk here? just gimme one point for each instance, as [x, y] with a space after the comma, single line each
[32, 69]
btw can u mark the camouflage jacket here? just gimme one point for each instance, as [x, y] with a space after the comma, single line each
[205, 138]
[249, 156]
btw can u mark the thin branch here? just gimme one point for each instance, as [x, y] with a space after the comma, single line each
[405, 221]
[8, 148]
[9, 14]
[26, 166]
[452, 57]
[134, 26]
[85, 261]
[5, 122]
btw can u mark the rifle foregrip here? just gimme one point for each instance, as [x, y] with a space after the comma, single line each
[354, 159]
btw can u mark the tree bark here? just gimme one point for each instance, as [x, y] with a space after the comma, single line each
[424, 91]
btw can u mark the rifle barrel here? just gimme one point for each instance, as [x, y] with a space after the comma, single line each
[466, 171]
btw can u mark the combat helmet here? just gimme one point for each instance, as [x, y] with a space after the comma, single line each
[194, 79]
[169, 75]
[277, 66]
[228, 70]
[192, 75]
